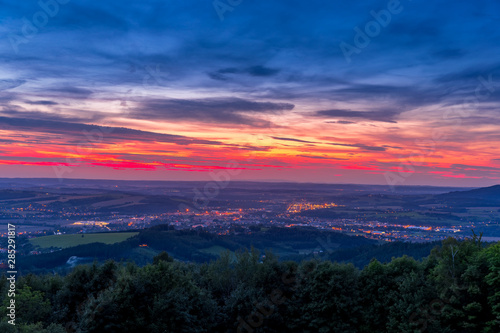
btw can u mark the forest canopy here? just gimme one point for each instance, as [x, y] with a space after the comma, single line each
[454, 289]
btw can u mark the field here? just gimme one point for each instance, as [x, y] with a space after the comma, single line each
[65, 241]
[215, 250]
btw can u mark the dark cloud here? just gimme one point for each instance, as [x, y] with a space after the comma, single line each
[384, 116]
[471, 74]
[253, 148]
[449, 53]
[259, 71]
[83, 132]
[393, 147]
[359, 145]
[262, 71]
[474, 167]
[77, 116]
[74, 92]
[213, 110]
[343, 122]
[356, 145]
[41, 102]
[10, 84]
[323, 157]
[291, 139]
[406, 97]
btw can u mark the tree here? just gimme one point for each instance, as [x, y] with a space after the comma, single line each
[31, 306]
[493, 280]
[162, 256]
[329, 299]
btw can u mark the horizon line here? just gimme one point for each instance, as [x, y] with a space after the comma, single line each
[231, 181]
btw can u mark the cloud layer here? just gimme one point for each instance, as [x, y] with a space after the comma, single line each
[176, 86]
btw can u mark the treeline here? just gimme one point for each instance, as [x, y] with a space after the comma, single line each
[188, 245]
[455, 289]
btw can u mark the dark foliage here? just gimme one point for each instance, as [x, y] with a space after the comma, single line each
[454, 289]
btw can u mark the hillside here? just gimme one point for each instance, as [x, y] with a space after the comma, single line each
[200, 246]
[485, 193]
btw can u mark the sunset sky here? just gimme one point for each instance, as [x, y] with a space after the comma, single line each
[281, 90]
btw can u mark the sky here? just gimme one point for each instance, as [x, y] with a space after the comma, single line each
[376, 92]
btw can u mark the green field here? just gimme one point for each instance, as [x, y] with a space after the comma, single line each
[215, 250]
[65, 241]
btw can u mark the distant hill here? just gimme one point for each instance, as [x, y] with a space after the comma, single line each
[200, 246]
[99, 201]
[487, 196]
[487, 193]
[54, 185]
